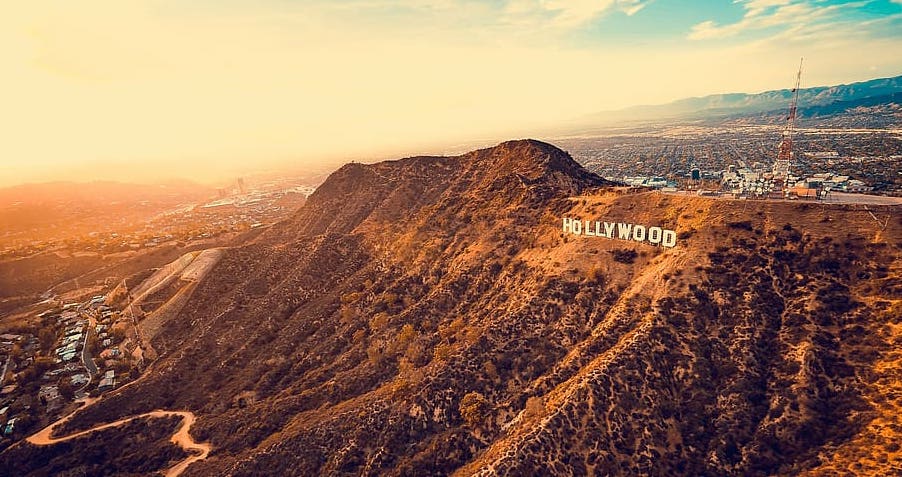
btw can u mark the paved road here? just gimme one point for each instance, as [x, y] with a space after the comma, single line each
[844, 198]
[832, 198]
[86, 357]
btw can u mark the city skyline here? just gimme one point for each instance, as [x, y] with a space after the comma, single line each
[160, 90]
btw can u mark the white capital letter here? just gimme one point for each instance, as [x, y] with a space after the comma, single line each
[639, 233]
[623, 230]
[654, 234]
[669, 238]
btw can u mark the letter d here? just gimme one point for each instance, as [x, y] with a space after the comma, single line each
[668, 238]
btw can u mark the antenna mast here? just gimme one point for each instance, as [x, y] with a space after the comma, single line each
[784, 154]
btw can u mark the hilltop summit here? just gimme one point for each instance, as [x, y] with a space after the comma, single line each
[524, 173]
[535, 161]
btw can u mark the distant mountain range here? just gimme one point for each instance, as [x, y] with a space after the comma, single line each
[881, 96]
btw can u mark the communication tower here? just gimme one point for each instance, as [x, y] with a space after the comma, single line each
[783, 164]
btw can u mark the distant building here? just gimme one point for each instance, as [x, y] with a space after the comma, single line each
[10, 427]
[823, 154]
[108, 382]
[73, 338]
[804, 192]
[68, 315]
[49, 394]
[79, 379]
[856, 186]
[655, 182]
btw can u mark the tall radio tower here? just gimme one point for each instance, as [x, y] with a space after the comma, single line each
[784, 154]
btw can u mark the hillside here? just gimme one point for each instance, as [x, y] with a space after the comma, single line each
[427, 316]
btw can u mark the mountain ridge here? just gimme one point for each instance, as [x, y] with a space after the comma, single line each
[740, 104]
[537, 169]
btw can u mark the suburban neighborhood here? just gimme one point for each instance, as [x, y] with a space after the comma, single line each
[79, 349]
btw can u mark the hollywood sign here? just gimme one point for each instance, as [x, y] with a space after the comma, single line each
[619, 230]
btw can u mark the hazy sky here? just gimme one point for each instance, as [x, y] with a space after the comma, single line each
[141, 90]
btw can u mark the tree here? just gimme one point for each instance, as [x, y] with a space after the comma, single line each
[407, 335]
[350, 297]
[415, 353]
[33, 372]
[65, 388]
[378, 321]
[624, 255]
[474, 408]
[375, 354]
[442, 351]
[595, 275]
[491, 371]
[47, 338]
[122, 368]
[117, 334]
[16, 352]
[347, 314]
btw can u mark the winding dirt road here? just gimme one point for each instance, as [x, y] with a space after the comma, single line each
[182, 437]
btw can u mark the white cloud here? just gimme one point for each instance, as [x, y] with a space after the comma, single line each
[632, 7]
[791, 15]
[566, 14]
[575, 12]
